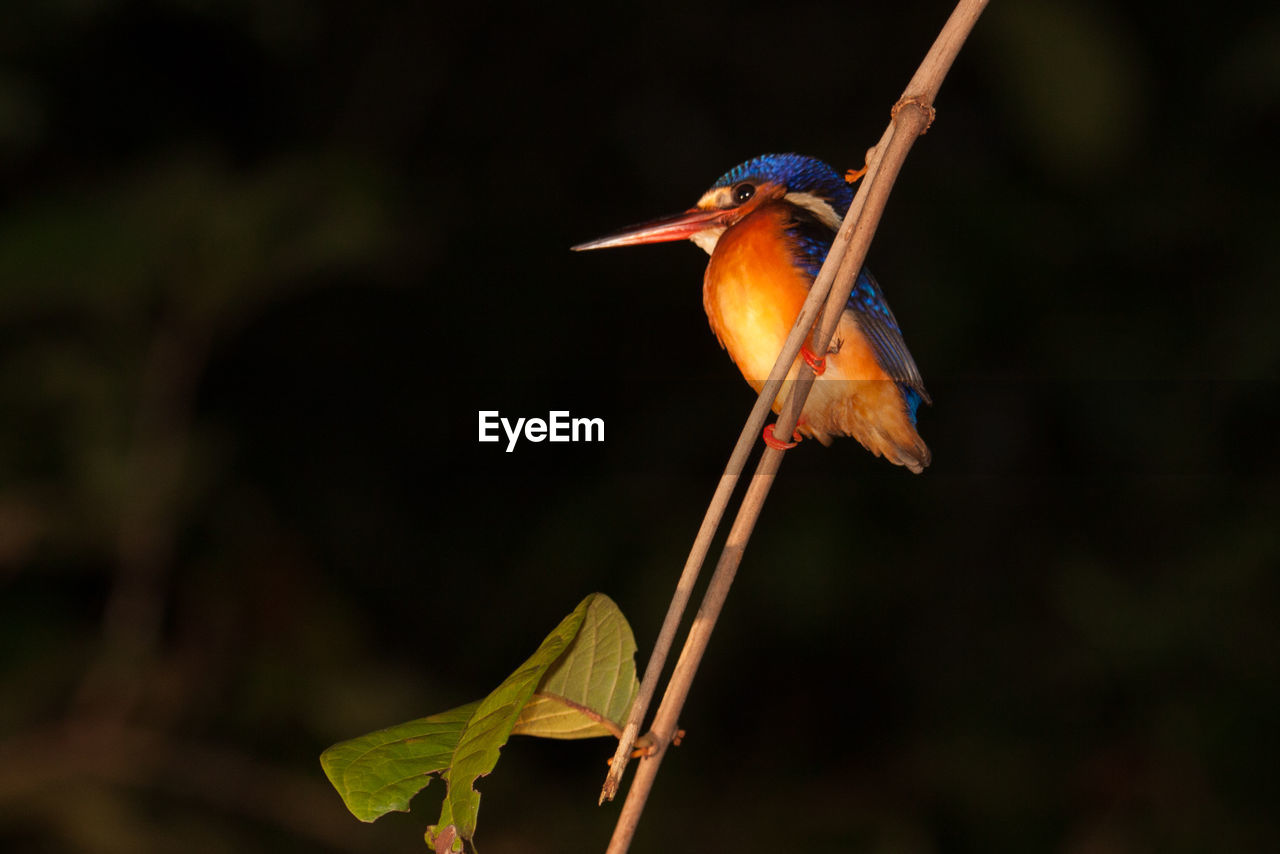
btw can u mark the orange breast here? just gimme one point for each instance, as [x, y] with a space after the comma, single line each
[752, 293]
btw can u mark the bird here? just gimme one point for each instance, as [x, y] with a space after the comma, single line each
[768, 224]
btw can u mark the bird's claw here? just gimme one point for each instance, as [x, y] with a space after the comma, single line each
[776, 443]
[817, 363]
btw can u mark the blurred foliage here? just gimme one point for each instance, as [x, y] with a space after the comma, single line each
[260, 263]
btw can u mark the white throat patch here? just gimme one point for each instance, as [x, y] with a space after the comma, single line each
[707, 238]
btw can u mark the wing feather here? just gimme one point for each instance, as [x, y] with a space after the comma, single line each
[812, 242]
[876, 319]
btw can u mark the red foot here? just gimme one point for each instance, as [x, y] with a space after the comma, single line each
[853, 175]
[819, 365]
[776, 443]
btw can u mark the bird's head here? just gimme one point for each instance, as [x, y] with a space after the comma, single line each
[794, 179]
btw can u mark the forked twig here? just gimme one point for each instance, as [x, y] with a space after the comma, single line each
[911, 116]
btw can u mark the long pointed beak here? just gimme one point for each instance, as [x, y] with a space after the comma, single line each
[679, 226]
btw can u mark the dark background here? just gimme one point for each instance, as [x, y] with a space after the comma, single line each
[262, 262]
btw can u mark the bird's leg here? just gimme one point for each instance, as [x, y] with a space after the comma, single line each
[817, 363]
[777, 444]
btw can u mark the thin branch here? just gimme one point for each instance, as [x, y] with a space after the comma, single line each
[912, 116]
[747, 439]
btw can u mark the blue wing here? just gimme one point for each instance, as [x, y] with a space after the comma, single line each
[881, 327]
[812, 241]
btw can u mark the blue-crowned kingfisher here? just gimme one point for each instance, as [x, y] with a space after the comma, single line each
[768, 224]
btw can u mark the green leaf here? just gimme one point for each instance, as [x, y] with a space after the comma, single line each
[491, 723]
[584, 675]
[380, 772]
[589, 690]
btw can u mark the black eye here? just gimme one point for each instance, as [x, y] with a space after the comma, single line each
[743, 192]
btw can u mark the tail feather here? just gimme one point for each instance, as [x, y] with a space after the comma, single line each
[875, 412]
